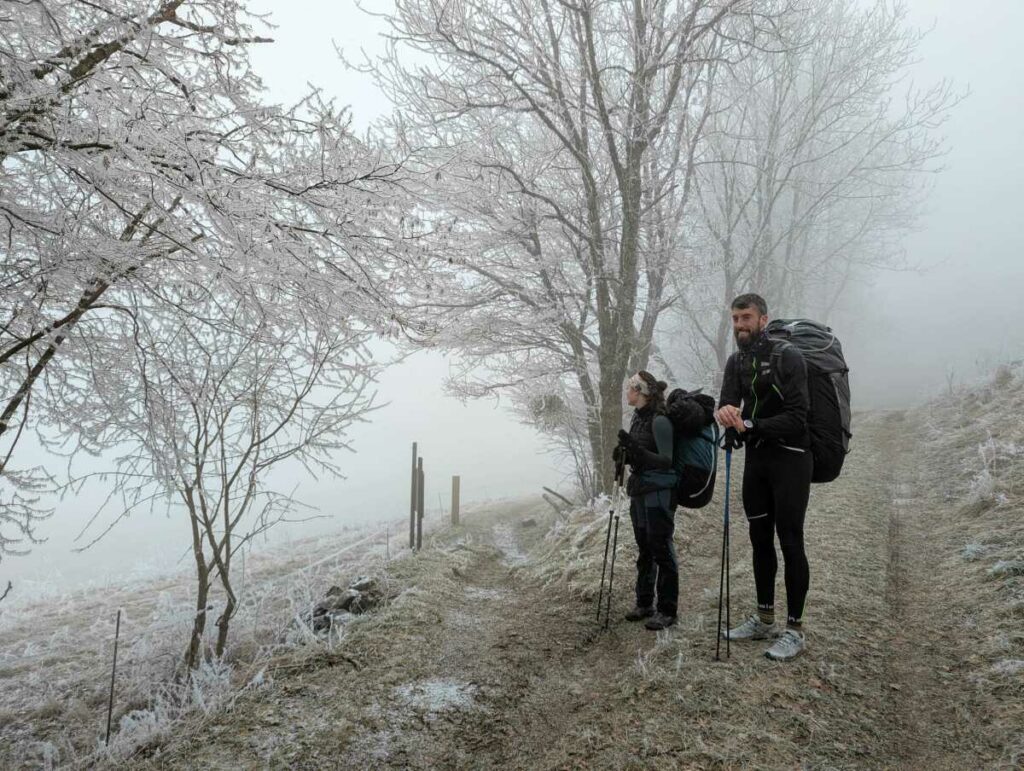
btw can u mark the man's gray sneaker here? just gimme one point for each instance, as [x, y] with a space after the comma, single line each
[753, 629]
[790, 645]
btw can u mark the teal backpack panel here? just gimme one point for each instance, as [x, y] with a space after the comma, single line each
[700, 452]
[697, 451]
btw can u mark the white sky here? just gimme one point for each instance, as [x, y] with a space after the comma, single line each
[303, 52]
[963, 311]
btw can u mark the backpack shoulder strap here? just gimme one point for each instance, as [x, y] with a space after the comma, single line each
[779, 345]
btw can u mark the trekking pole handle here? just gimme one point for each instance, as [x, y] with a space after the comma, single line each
[731, 440]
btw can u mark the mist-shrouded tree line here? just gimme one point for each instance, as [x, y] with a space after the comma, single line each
[607, 176]
[567, 191]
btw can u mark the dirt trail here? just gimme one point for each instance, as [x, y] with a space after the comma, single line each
[934, 729]
[484, 665]
[475, 665]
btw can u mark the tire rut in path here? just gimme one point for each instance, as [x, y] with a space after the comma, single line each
[931, 726]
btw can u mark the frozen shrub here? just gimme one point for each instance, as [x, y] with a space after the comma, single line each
[136, 729]
[43, 755]
[1008, 667]
[982, 488]
[1003, 377]
[211, 685]
[973, 551]
[1007, 568]
[259, 680]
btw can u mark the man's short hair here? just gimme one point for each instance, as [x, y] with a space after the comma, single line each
[751, 300]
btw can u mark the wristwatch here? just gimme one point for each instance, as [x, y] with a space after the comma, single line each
[748, 424]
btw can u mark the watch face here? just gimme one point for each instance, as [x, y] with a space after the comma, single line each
[748, 423]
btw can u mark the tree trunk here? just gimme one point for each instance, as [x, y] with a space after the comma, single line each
[231, 603]
[611, 422]
[223, 623]
[193, 654]
[613, 373]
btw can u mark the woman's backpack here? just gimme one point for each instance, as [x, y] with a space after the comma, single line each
[695, 446]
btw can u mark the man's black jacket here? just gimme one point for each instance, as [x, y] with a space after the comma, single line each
[772, 390]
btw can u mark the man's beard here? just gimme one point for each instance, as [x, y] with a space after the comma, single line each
[750, 341]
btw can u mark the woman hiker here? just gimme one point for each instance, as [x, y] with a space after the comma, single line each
[647, 448]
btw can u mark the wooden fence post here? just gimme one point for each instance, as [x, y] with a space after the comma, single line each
[420, 502]
[412, 501]
[455, 500]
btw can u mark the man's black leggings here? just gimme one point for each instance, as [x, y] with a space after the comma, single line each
[776, 487]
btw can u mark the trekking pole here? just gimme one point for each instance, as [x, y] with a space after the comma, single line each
[723, 578]
[728, 554]
[619, 470]
[604, 565]
[611, 574]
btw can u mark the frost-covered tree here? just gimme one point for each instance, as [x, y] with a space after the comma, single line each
[135, 155]
[219, 397]
[813, 167]
[557, 136]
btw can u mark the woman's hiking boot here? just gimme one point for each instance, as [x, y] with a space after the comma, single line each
[639, 614]
[660, 621]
